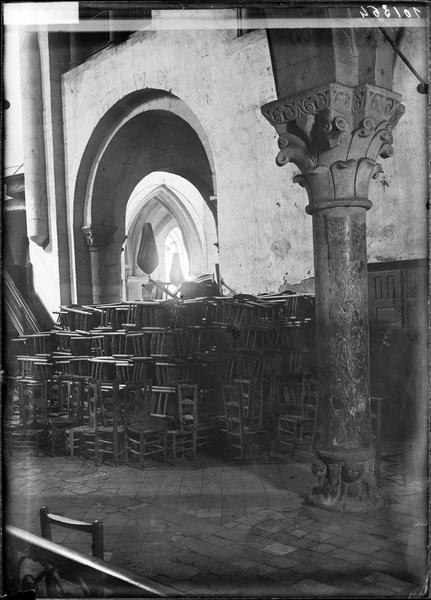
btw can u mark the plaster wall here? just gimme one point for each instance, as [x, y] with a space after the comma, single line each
[265, 235]
[397, 221]
[264, 232]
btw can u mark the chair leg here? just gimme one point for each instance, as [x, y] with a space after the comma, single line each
[195, 444]
[165, 454]
[141, 449]
[174, 448]
[96, 448]
[71, 443]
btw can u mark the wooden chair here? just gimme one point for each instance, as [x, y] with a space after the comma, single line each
[95, 529]
[80, 435]
[32, 400]
[86, 319]
[244, 441]
[139, 343]
[145, 433]
[309, 408]
[166, 343]
[190, 434]
[97, 346]
[114, 343]
[168, 373]
[297, 423]
[252, 399]
[65, 410]
[41, 344]
[109, 420]
[111, 382]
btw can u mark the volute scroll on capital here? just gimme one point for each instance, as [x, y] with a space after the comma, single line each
[335, 135]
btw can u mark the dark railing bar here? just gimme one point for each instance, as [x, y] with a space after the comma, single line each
[403, 56]
[99, 567]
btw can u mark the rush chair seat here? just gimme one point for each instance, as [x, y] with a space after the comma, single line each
[95, 529]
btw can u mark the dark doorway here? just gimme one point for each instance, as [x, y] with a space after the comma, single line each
[398, 347]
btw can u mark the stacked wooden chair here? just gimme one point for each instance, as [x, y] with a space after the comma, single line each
[191, 432]
[246, 436]
[147, 421]
[297, 423]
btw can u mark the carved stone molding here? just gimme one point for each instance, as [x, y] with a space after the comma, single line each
[346, 481]
[335, 134]
[99, 236]
[14, 185]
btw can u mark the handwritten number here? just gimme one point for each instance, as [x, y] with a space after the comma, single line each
[374, 10]
[371, 10]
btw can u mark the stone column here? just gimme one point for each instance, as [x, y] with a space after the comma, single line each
[335, 134]
[98, 237]
[34, 145]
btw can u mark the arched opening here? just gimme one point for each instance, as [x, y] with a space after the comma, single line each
[181, 222]
[144, 134]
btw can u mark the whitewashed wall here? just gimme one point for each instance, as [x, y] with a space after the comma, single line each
[265, 235]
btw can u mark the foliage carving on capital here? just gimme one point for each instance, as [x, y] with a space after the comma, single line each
[335, 135]
[99, 235]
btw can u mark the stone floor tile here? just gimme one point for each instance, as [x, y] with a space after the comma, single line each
[349, 555]
[233, 533]
[299, 533]
[315, 588]
[278, 549]
[389, 582]
[318, 536]
[171, 537]
[322, 548]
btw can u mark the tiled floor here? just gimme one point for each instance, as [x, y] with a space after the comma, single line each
[218, 529]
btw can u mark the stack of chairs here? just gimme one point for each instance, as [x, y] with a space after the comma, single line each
[29, 386]
[98, 357]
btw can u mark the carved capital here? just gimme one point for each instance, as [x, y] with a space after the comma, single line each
[98, 236]
[336, 134]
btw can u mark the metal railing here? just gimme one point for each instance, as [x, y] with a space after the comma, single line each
[54, 571]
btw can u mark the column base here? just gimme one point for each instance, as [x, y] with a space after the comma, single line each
[346, 481]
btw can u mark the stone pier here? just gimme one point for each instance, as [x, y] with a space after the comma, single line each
[336, 134]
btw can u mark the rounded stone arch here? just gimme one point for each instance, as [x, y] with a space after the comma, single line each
[145, 131]
[167, 201]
